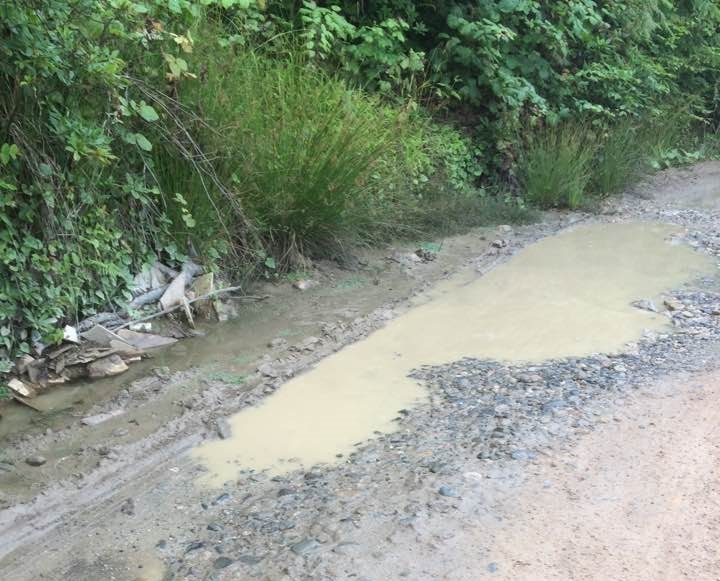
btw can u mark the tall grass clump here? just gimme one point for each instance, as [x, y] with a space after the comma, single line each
[305, 154]
[622, 159]
[555, 166]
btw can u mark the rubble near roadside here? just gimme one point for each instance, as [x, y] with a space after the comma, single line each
[105, 344]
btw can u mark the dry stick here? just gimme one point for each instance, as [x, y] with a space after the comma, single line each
[202, 298]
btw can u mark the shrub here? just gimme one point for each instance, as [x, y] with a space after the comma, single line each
[82, 105]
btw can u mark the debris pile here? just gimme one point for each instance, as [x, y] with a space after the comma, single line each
[105, 344]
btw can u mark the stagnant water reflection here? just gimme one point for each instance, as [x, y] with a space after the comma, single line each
[567, 295]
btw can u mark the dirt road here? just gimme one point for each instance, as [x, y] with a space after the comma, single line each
[637, 499]
[560, 409]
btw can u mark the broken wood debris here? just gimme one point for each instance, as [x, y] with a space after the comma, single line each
[105, 343]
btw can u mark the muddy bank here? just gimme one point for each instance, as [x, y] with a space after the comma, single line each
[383, 510]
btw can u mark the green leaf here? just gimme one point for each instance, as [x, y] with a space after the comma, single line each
[188, 219]
[270, 262]
[148, 113]
[143, 142]
[8, 152]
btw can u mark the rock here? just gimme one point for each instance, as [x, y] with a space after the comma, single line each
[278, 343]
[128, 507]
[448, 491]
[222, 499]
[529, 377]
[22, 363]
[519, 455]
[305, 284]
[308, 344]
[312, 476]
[215, 527]
[20, 388]
[492, 568]
[673, 305]
[37, 371]
[645, 305]
[35, 460]
[406, 258]
[438, 468]
[70, 334]
[269, 370]
[194, 546]
[504, 228]
[144, 341]
[222, 562]
[174, 293]
[162, 373]
[249, 559]
[223, 429]
[225, 311]
[305, 547]
[100, 418]
[425, 255]
[499, 243]
[555, 404]
[107, 367]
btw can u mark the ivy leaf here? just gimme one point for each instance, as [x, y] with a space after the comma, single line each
[270, 262]
[148, 113]
[143, 142]
[508, 5]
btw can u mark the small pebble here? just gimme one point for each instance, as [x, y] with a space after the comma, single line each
[36, 460]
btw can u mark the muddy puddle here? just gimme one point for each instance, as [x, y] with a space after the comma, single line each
[227, 352]
[567, 295]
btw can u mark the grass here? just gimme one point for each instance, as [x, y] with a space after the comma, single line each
[448, 214]
[621, 161]
[305, 155]
[555, 166]
[570, 165]
[229, 378]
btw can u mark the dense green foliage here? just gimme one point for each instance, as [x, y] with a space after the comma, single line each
[253, 131]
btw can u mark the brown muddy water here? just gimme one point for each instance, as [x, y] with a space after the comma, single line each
[228, 352]
[566, 295]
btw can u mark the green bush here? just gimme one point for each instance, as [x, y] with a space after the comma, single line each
[501, 62]
[83, 101]
[555, 167]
